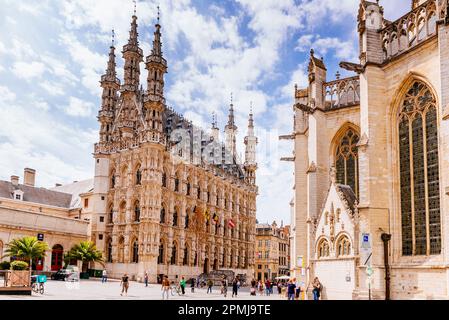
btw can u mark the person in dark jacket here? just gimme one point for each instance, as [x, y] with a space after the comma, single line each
[192, 285]
[291, 286]
[235, 287]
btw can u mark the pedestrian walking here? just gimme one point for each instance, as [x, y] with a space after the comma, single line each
[235, 286]
[224, 286]
[192, 285]
[182, 284]
[145, 279]
[260, 287]
[267, 287]
[298, 288]
[209, 285]
[291, 286]
[279, 286]
[104, 276]
[124, 284]
[317, 287]
[165, 287]
[253, 287]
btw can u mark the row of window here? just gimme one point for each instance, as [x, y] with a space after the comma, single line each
[343, 247]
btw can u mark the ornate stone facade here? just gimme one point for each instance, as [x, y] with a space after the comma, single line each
[371, 162]
[174, 200]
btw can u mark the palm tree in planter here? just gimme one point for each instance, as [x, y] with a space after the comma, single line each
[26, 248]
[86, 252]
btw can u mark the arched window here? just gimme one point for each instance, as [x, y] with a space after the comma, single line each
[347, 161]
[175, 218]
[186, 224]
[419, 172]
[111, 214]
[162, 220]
[343, 246]
[138, 176]
[160, 257]
[176, 184]
[188, 188]
[109, 253]
[185, 259]
[174, 252]
[199, 192]
[121, 250]
[137, 211]
[323, 249]
[135, 253]
[164, 180]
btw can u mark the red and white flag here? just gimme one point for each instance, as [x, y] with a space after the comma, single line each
[231, 223]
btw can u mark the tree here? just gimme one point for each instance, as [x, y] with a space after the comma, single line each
[28, 248]
[86, 252]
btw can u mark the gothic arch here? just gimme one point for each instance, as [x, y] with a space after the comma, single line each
[343, 245]
[416, 182]
[322, 247]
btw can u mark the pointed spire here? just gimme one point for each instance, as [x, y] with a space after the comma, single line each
[231, 120]
[157, 44]
[251, 120]
[133, 40]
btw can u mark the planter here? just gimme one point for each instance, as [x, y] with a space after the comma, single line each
[18, 278]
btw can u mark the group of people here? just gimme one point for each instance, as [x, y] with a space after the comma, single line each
[293, 287]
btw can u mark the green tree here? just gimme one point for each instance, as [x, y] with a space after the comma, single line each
[28, 248]
[86, 252]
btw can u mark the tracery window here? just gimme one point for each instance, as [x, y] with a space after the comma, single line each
[137, 211]
[135, 256]
[343, 247]
[347, 161]
[160, 257]
[175, 218]
[323, 248]
[173, 259]
[164, 180]
[162, 217]
[185, 260]
[419, 172]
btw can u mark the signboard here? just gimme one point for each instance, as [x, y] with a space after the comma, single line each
[40, 236]
[366, 241]
[369, 271]
[365, 249]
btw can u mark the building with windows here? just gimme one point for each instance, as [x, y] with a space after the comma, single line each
[272, 251]
[55, 217]
[371, 162]
[168, 197]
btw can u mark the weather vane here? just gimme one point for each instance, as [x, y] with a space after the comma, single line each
[158, 14]
[135, 4]
[231, 97]
[113, 37]
[251, 107]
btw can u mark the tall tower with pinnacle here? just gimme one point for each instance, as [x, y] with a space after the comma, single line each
[110, 85]
[133, 56]
[154, 101]
[250, 151]
[231, 131]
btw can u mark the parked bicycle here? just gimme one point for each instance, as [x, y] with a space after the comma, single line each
[176, 289]
[37, 283]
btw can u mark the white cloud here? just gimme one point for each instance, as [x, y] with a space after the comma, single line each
[79, 108]
[53, 88]
[28, 70]
[342, 49]
[6, 95]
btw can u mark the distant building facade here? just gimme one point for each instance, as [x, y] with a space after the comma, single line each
[272, 251]
[168, 198]
[52, 216]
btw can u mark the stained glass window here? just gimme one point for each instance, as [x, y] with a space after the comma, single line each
[419, 170]
[346, 161]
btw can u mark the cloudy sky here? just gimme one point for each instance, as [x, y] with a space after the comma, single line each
[52, 54]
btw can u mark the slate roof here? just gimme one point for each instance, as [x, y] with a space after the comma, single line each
[36, 195]
[75, 189]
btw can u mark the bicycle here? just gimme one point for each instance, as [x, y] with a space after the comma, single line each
[37, 283]
[175, 289]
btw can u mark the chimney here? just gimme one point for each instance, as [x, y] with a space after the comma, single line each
[15, 180]
[29, 177]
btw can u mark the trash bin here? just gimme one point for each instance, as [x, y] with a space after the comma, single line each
[84, 275]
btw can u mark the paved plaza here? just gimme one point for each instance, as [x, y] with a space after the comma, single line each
[93, 289]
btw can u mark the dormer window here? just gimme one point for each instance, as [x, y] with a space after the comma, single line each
[18, 195]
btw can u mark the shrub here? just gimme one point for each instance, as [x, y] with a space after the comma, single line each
[5, 265]
[19, 265]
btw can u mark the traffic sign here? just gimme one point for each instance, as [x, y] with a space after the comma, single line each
[369, 271]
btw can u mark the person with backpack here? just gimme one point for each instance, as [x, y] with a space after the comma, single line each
[267, 287]
[125, 284]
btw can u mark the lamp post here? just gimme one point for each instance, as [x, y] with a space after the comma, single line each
[385, 238]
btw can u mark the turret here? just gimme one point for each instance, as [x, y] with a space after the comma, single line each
[133, 55]
[110, 84]
[154, 101]
[215, 132]
[317, 77]
[370, 21]
[250, 151]
[231, 132]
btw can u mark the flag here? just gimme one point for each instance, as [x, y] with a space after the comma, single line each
[231, 223]
[215, 217]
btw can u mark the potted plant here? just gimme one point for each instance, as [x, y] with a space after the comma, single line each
[86, 252]
[19, 265]
[26, 248]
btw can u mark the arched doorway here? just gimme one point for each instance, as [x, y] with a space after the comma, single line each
[216, 264]
[57, 257]
[206, 266]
